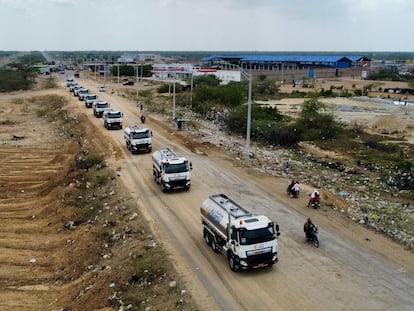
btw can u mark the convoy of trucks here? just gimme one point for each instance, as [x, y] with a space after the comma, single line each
[171, 171]
[137, 138]
[248, 241]
[112, 119]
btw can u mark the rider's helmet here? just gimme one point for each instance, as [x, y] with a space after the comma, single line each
[309, 221]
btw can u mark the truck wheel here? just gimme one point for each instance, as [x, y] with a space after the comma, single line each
[232, 264]
[163, 189]
[207, 237]
[214, 245]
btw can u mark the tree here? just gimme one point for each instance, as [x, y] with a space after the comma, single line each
[314, 124]
[207, 80]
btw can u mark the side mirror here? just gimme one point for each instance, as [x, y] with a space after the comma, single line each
[191, 166]
[152, 133]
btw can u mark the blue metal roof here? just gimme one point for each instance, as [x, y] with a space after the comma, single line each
[292, 58]
[286, 58]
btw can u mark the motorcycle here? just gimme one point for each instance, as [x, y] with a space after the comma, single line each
[313, 237]
[314, 202]
[292, 193]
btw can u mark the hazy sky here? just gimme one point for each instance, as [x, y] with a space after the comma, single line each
[216, 25]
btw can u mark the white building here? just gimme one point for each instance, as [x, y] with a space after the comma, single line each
[148, 57]
[185, 71]
[124, 59]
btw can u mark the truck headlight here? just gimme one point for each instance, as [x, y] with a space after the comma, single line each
[243, 263]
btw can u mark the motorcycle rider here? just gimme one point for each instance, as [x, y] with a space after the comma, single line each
[289, 189]
[308, 228]
[296, 189]
[314, 197]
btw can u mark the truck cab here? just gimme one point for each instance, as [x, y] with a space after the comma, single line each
[170, 170]
[76, 90]
[248, 241]
[69, 81]
[73, 85]
[137, 138]
[99, 108]
[82, 93]
[90, 99]
[112, 119]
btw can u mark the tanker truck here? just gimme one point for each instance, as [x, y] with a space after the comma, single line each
[170, 171]
[137, 138]
[248, 241]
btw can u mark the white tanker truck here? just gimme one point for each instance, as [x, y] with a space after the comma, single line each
[171, 171]
[137, 138]
[248, 241]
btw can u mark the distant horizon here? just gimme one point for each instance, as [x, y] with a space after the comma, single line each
[214, 51]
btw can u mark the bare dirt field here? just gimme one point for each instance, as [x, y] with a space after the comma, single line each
[48, 263]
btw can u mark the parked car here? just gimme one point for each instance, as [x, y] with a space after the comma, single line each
[129, 82]
[102, 88]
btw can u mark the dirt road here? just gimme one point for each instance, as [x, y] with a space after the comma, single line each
[354, 269]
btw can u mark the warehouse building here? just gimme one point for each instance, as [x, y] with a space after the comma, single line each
[291, 67]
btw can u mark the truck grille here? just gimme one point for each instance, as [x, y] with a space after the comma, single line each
[178, 183]
[255, 260]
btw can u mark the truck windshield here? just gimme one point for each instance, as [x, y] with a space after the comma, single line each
[248, 237]
[114, 115]
[92, 97]
[104, 105]
[139, 135]
[176, 168]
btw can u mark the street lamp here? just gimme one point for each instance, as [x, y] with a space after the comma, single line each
[248, 75]
[191, 90]
[174, 99]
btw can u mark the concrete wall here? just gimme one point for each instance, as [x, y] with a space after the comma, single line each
[302, 74]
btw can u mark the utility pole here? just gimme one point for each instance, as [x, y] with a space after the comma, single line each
[249, 107]
[174, 99]
[191, 92]
[249, 115]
